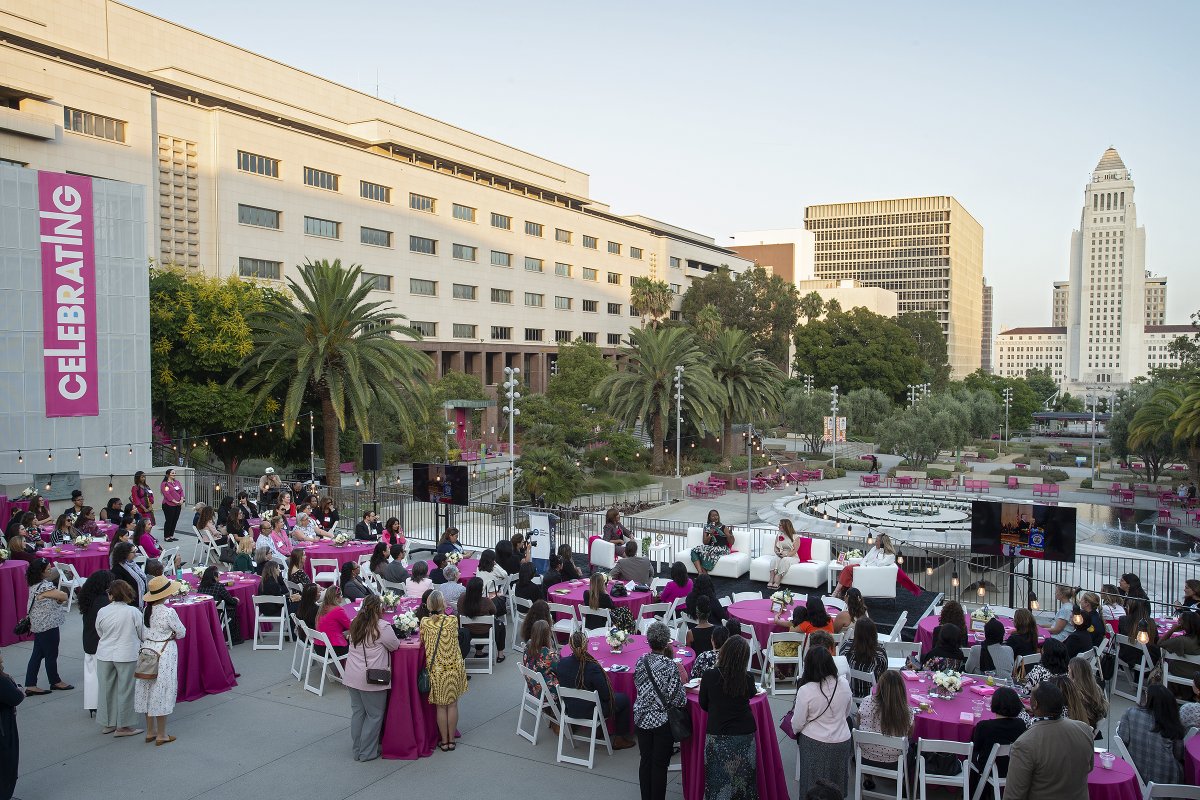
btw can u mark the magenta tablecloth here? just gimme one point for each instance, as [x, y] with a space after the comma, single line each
[574, 596]
[467, 568]
[242, 586]
[14, 599]
[204, 663]
[91, 559]
[758, 615]
[924, 636]
[105, 528]
[1191, 761]
[943, 722]
[350, 552]
[1118, 783]
[634, 649]
[772, 782]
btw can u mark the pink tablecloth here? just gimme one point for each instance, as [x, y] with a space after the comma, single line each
[1118, 783]
[772, 781]
[350, 552]
[924, 636]
[105, 528]
[91, 559]
[14, 599]
[943, 722]
[574, 596]
[467, 568]
[1191, 761]
[758, 615]
[634, 649]
[242, 586]
[204, 663]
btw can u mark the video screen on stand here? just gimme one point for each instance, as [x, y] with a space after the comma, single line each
[1023, 530]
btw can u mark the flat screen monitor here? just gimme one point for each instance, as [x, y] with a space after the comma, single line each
[1023, 530]
[440, 483]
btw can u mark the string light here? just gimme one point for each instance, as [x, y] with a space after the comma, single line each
[131, 449]
[49, 455]
[217, 487]
[110, 483]
[78, 454]
[1033, 601]
[1077, 616]
[954, 579]
[106, 450]
[48, 482]
[981, 591]
[929, 570]
[900, 557]
[20, 458]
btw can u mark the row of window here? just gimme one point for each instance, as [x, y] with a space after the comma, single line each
[464, 291]
[96, 125]
[504, 333]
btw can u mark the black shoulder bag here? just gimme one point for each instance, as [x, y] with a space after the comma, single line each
[423, 683]
[376, 677]
[678, 718]
[25, 625]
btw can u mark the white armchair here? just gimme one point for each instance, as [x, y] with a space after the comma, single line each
[734, 565]
[603, 555]
[878, 582]
[811, 574]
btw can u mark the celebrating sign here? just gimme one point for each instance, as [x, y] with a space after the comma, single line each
[68, 295]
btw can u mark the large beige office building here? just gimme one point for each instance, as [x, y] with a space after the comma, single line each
[1156, 301]
[494, 254]
[928, 250]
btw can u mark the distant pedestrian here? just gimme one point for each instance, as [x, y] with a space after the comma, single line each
[874, 464]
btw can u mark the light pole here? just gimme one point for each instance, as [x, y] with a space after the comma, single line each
[1094, 399]
[912, 395]
[678, 412]
[808, 383]
[1007, 403]
[833, 407]
[512, 380]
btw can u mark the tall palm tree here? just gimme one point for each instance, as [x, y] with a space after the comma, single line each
[339, 346]
[751, 386]
[650, 298]
[644, 391]
[1174, 410]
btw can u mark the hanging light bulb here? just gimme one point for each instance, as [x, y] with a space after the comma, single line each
[1077, 616]
[256, 431]
[20, 458]
[49, 455]
[357, 481]
[239, 434]
[870, 539]
[222, 440]
[110, 483]
[929, 570]
[78, 454]
[217, 488]
[131, 449]
[206, 442]
[1033, 601]
[1143, 634]
[48, 484]
[954, 579]
[106, 450]
[900, 557]
[981, 591]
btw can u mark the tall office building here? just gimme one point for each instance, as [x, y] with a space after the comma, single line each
[985, 352]
[929, 250]
[494, 254]
[1156, 301]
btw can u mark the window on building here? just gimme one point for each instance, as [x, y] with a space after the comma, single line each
[376, 237]
[632, 311]
[381, 283]
[375, 191]
[534, 264]
[534, 334]
[635, 252]
[258, 217]
[325, 228]
[419, 202]
[90, 124]
[589, 241]
[426, 329]
[535, 300]
[501, 221]
[562, 270]
[614, 308]
[562, 236]
[260, 268]
[419, 244]
[502, 296]
[502, 333]
[464, 291]
[591, 305]
[562, 336]
[676, 316]
[562, 303]
[533, 228]
[614, 248]
[589, 274]
[464, 252]
[422, 286]
[614, 278]
[463, 331]
[676, 262]
[590, 337]
[259, 165]
[676, 288]
[465, 213]
[614, 339]
[501, 259]
[320, 179]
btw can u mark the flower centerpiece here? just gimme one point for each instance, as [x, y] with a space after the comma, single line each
[389, 599]
[846, 555]
[28, 493]
[948, 683]
[406, 624]
[453, 558]
[340, 540]
[184, 587]
[265, 517]
[983, 613]
[616, 639]
[82, 541]
[4, 554]
[781, 599]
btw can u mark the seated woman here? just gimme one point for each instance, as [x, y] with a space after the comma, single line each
[613, 530]
[379, 557]
[992, 655]
[541, 656]
[418, 582]
[393, 533]
[474, 604]
[206, 523]
[1024, 639]
[145, 539]
[595, 598]
[295, 568]
[271, 583]
[881, 554]
[539, 611]
[333, 620]
[244, 560]
[40, 510]
[1183, 639]
[210, 584]
[1055, 659]
[1153, 734]
[64, 531]
[717, 541]
[570, 572]
[817, 617]
[306, 529]
[112, 512]
[952, 613]
[680, 585]
[799, 618]
[449, 542]
[310, 603]
[580, 670]
[1112, 604]
[526, 589]
[699, 636]
[786, 544]
[856, 609]
[1189, 712]
[86, 522]
[1085, 699]
[887, 712]
[1191, 596]
[1137, 618]
[864, 653]
[946, 653]
[490, 572]
[703, 585]
[507, 558]
[1082, 638]
[353, 587]
[18, 550]
[1004, 730]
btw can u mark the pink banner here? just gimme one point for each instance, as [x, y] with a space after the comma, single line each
[68, 295]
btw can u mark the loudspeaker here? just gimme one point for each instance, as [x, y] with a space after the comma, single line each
[372, 456]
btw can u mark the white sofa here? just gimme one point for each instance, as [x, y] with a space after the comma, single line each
[734, 565]
[603, 554]
[876, 582]
[811, 574]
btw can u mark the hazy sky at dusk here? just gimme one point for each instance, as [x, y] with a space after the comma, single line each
[722, 117]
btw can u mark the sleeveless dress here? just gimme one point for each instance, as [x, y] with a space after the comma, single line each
[708, 554]
[157, 697]
[447, 674]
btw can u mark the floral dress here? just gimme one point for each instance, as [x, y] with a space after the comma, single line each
[157, 697]
[545, 661]
[708, 554]
[447, 672]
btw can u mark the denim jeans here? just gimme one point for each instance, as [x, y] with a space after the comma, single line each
[45, 647]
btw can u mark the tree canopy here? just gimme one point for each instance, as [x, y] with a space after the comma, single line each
[749, 384]
[926, 331]
[757, 302]
[858, 349]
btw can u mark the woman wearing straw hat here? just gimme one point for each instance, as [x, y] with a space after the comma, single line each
[156, 697]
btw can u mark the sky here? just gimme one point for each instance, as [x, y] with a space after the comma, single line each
[726, 117]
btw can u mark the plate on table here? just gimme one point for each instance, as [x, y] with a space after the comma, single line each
[562, 591]
[694, 683]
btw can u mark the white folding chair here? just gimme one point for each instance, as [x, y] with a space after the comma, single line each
[653, 611]
[772, 661]
[595, 725]
[595, 619]
[755, 651]
[364, 563]
[167, 557]
[538, 706]
[223, 618]
[372, 581]
[656, 584]
[862, 677]
[487, 642]
[727, 601]
[325, 571]
[926, 778]
[832, 602]
[990, 774]
[1136, 675]
[204, 549]
[898, 628]
[1172, 672]
[68, 581]
[1118, 746]
[389, 586]
[326, 658]
[568, 623]
[142, 556]
[301, 643]
[1172, 791]
[672, 611]
[261, 617]
[901, 650]
[520, 607]
[1022, 664]
[863, 769]
[738, 597]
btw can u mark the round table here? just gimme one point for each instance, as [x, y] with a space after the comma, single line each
[924, 635]
[1118, 783]
[351, 551]
[14, 600]
[467, 567]
[91, 559]
[1191, 761]
[204, 663]
[571, 593]
[634, 649]
[106, 528]
[772, 781]
[243, 586]
[758, 615]
[944, 721]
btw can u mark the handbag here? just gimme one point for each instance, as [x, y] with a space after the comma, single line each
[423, 682]
[146, 668]
[24, 625]
[377, 677]
[785, 724]
[678, 718]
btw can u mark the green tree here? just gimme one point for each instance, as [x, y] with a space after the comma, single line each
[706, 325]
[1024, 402]
[865, 409]
[919, 433]
[926, 331]
[811, 306]
[1155, 445]
[1173, 410]
[761, 304]
[715, 289]
[548, 476]
[804, 414]
[342, 348]
[750, 385]
[644, 390]
[581, 367]
[1186, 348]
[1041, 383]
[428, 441]
[650, 298]
[858, 349]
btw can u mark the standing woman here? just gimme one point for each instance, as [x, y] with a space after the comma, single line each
[371, 642]
[121, 629]
[659, 686]
[730, 765]
[141, 497]
[717, 540]
[156, 698]
[92, 597]
[785, 553]
[447, 672]
[823, 702]
[10, 745]
[172, 503]
[47, 612]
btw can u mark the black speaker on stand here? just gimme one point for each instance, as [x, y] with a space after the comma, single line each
[372, 459]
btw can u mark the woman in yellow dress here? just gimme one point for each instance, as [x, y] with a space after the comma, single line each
[447, 672]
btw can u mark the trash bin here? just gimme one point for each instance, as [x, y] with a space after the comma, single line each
[1081, 461]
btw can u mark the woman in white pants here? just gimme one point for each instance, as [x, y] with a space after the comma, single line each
[91, 597]
[121, 631]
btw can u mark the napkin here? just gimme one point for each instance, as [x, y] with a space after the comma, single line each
[909, 675]
[966, 716]
[966, 681]
[984, 691]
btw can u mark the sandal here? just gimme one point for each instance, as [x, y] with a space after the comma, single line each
[444, 747]
[161, 742]
[451, 746]
[35, 692]
[499, 658]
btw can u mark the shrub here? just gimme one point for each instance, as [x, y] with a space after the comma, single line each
[1086, 483]
[986, 453]
[932, 472]
[854, 465]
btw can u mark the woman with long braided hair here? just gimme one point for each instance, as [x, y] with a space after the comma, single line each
[730, 763]
[581, 670]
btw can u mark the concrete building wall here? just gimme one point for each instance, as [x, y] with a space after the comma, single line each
[851, 294]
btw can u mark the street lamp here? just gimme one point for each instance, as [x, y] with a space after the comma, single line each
[912, 395]
[678, 412]
[833, 407]
[1094, 399]
[1007, 403]
[512, 380]
[808, 383]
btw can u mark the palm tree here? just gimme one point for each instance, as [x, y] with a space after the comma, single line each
[750, 384]
[644, 390]
[811, 306]
[1173, 410]
[548, 476]
[342, 348]
[650, 298]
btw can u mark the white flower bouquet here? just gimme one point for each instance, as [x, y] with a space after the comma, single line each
[4, 554]
[341, 539]
[184, 587]
[266, 517]
[616, 639]
[781, 599]
[389, 599]
[855, 553]
[949, 681]
[983, 613]
[82, 541]
[453, 558]
[406, 624]
[28, 493]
